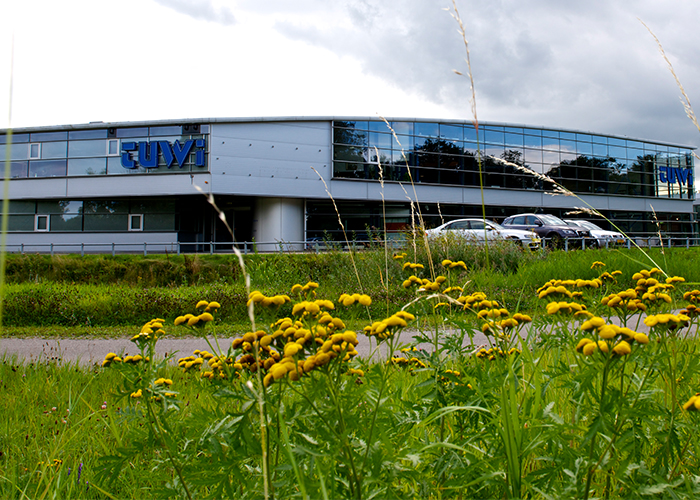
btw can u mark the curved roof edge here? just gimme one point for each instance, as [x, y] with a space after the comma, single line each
[261, 119]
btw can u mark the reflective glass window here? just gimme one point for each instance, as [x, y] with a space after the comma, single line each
[494, 136]
[165, 130]
[48, 136]
[15, 138]
[424, 129]
[552, 134]
[59, 207]
[159, 222]
[379, 140]
[614, 141]
[583, 137]
[152, 206]
[78, 149]
[379, 126]
[452, 132]
[20, 222]
[617, 151]
[114, 166]
[567, 145]
[50, 150]
[347, 153]
[599, 139]
[66, 222]
[600, 149]
[88, 134]
[470, 133]
[514, 139]
[18, 169]
[532, 141]
[402, 128]
[22, 207]
[402, 142]
[105, 207]
[132, 132]
[350, 136]
[87, 166]
[106, 222]
[550, 144]
[584, 148]
[532, 155]
[47, 168]
[569, 136]
[17, 151]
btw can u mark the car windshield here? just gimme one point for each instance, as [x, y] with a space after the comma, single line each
[589, 225]
[550, 220]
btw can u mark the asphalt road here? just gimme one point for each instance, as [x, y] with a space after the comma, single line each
[88, 351]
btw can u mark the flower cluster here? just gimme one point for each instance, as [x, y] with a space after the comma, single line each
[387, 327]
[149, 332]
[611, 338]
[693, 404]
[200, 320]
[692, 296]
[259, 299]
[348, 300]
[449, 264]
[308, 289]
[625, 300]
[412, 266]
[669, 321]
[492, 353]
[425, 284]
[566, 308]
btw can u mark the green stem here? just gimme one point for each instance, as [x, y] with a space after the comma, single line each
[592, 469]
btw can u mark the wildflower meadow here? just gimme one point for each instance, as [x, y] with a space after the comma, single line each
[580, 383]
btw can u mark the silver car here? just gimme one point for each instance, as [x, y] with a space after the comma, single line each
[604, 238]
[478, 230]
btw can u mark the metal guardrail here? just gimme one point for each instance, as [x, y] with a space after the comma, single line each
[247, 247]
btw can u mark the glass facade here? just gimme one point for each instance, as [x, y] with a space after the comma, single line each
[510, 157]
[159, 214]
[95, 151]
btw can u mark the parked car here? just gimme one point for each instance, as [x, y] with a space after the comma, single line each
[604, 238]
[554, 230]
[479, 230]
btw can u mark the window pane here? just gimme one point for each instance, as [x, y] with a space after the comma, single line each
[77, 149]
[132, 132]
[47, 168]
[66, 222]
[87, 166]
[105, 207]
[18, 169]
[87, 134]
[405, 128]
[451, 132]
[22, 207]
[427, 129]
[54, 149]
[159, 222]
[494, 137]
[20, 222]
[17, 152]
[106, 222]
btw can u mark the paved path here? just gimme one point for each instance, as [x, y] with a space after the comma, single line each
[88, 351]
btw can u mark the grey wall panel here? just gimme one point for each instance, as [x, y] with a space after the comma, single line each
[269, 186]
[38, 188]
[246, 146]
[257, 167]
[92, 242]
[136, 185]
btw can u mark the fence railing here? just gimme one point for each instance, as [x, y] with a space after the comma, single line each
[247, 247]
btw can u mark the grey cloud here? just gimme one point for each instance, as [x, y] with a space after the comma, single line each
[202, 10]
[579, 65]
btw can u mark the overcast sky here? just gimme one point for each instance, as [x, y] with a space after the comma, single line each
[588, 66]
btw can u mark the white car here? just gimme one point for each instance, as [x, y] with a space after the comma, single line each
[603, 237]
[478, 230]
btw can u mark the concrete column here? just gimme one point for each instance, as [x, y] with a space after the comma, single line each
[279, 224]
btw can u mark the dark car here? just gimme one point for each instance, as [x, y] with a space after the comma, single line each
[552, 229]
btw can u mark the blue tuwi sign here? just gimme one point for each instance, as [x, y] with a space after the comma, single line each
[146, 154]
[684, 176]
